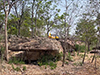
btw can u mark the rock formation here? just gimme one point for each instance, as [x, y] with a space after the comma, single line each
[33, 48]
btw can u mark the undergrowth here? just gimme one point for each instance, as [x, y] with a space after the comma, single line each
[69, 57]
[49, 60]
[15, 61]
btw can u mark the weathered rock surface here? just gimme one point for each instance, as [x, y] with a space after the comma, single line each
[34, 48]
[27, 44]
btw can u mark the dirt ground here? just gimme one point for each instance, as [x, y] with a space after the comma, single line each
[72, 68]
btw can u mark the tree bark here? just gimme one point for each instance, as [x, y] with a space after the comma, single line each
[6, 41]
[64, 51]
[47, 32]
[63, 56]
[19, 29]
[93, 58]
[88, 46]
[84, 55]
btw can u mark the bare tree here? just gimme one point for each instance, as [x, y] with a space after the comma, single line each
[7, 5]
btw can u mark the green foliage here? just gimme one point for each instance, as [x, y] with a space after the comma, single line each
[2, 50]
[66, 63]
[16, 61]
[86, 31]
[16, 69]
[24, 68]
[1, 17]
[40, 63]
[69, 57]
[49, 60]
[77, 47]
[45, 66]
[80, 48]
[52, 64]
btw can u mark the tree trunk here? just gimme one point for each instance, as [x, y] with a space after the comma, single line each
[95, 61]
[48, 29]
[88, 46]
[35, 25]
[6, 41]
[32, 18]
[93, 58]
[19, 29]
[84, 55]
[64, 49]
[68, 31]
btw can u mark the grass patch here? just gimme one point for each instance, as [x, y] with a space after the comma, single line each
[16, 69]
[15, 61]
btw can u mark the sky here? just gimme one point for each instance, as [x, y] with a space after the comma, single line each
[80, 11]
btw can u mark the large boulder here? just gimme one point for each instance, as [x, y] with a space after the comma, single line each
[27, 44]
[33, 48]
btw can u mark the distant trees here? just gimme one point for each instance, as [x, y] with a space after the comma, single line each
[86, 31]
[34, 18]
[19, 21]
[1, 20]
